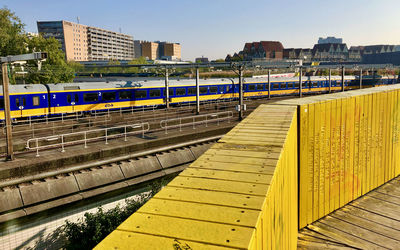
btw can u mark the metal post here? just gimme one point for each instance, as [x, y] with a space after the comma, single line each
[240, 109]
[166, 89]
[269, 84]
[342, 78]
[301, 82]
[197, 92]
[7, 113]
[330, 80]
[85, 140]
[361, 72]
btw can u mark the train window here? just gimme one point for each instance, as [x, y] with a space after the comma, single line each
[180, 91]
[17, 102]
[90, 97]
[123, 95]
[109, 96]
[69, 99]
[76, 98]
[140, 94]
[155, 93]
[260, 86]
[191, 91]
[276, 85]
[23, 101]
[213, 89]
[203, 90]
[1, 103]
[171, 91]
[36, 101]
[251, 87]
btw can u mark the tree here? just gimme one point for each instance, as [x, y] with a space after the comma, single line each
[54, 69]
[140, 60]
[12, 35]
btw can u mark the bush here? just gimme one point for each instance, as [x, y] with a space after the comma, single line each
[94, 227]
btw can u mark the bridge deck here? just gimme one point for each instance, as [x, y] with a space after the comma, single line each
[370, 222]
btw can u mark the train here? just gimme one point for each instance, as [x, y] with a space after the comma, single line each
[37, 100]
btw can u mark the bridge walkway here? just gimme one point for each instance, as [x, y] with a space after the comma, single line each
[370, 222]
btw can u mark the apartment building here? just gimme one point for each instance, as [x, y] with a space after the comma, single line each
[84, 43]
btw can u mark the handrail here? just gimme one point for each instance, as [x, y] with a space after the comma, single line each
[47, 140]
[32, 128]
[215, 117]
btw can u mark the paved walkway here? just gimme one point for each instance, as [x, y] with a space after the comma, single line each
[370, 222]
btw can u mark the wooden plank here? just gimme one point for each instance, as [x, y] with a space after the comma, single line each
[363, 233]
[367, 224]
[189, 230]
[371, 216]
[378, 206]
[129, 240]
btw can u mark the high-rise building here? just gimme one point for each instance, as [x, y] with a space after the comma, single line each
[329, 39]
[150, 50]
[84, 43]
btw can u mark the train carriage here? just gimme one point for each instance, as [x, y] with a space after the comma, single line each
[56, 99]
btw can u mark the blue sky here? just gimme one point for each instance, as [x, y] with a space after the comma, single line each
[213, 28]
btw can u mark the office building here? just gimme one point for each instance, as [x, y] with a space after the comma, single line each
[84, 43]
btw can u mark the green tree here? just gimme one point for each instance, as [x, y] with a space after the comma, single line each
[12, 35]
[140, 60]
[54, 69]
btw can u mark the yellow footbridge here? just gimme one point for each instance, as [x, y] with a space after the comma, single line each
[283, 168]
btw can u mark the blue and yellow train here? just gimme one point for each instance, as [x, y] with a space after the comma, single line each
[55, 99]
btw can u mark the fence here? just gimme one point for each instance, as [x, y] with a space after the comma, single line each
[195, 120]
[75, 138]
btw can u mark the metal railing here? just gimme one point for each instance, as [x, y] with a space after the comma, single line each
[75, 138]
[195, 120]
[55, 125]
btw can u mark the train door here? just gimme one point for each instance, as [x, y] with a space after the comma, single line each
[20, 103]
[72, 101]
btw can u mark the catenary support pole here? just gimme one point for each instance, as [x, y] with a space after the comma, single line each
[343, 78]
[7, 112]
[330, 80]
[166, 89]
[361, 76]
[301, 82]
[240, 108]
[269, 84]
[197, 91]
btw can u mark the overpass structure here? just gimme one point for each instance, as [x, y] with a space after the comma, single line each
[287, 167]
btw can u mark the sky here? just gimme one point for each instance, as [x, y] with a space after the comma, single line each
[214, 28]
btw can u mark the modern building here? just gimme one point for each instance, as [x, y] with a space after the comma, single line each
[137, 48]
[84, 43]
[329, 39]
[201, 60]
[161, 50]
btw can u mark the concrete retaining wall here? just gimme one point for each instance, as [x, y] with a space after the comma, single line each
[36, 196]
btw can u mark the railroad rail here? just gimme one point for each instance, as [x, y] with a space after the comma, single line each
[284, 167]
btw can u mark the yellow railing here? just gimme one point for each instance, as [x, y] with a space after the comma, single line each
[242, 193]
[349, 145]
